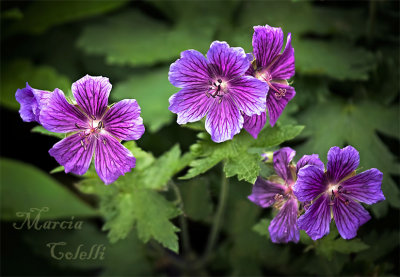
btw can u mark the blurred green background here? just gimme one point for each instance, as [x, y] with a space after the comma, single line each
[347, 84]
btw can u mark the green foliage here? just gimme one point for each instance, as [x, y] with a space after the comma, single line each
[151, 89]
[238, 160]
[42, 15]
[125, 258]
[355, 124]
[262, 227]
[132, 199]
[21, 71]
[39, 190]
[197, 204]
[39, 129]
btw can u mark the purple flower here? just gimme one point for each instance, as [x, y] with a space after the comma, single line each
[216, 86]
[277, 191]
[274, 68]
[96, 129]
[31, 101]
[337, 191]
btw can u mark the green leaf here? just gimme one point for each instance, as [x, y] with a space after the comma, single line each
[39, 129]
[235, 153]
[161, 171]
[24, 187]
[136, 39]
[42, 15]
[132, 202]
[21, 71]
[330, 244]
[147, 87]
[197, 204]
[356, 125]
[57, 169]
[262, 227]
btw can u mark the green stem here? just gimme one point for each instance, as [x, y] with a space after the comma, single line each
[182, 220]
[212, 239]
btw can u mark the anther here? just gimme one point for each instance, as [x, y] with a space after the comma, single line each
[83, 145]
[104, 141]
[347, 202]
[93, 117]
[77, 126]
[100, 125]
[219, 81]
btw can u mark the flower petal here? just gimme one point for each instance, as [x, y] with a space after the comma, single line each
[123, 120]
[91, 94]
[27, 102]
[267, 44]
[190, 104]
[255, 123]
[317, 218]
[111, 158]
[75, 153]
[62, 117]
[277, 100]
[190, 70]
[365, 187]
[311, 182]
[349, 216]
[310, 160]
[282, 159]
[283, 67]
[224, 119]
[283, 227]
[227, 61]
[264, 192]
[341, 162]
[249, 94]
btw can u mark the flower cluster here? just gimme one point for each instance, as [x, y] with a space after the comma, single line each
[92, 127]
[322, 194]
[232, 89]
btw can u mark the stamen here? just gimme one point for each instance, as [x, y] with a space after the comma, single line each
[93, 117]
[347, 202]
[83, 145]
[333, 196]
[104, 141]
[77, 126]
[219, 81]
[100, 125]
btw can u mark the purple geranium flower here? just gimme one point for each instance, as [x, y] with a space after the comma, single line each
[31, 101]
[337, 191]
[274, 68]
[216, 86]
[278, 192]
[96, 129]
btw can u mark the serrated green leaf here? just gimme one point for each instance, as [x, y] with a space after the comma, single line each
[235, 153]
[24, 187]
[147, 87]
[41, 15]
[356, 125]
[21, 71]
[136, 39]
[39, 129]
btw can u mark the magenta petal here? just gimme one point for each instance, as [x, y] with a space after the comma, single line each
[341, 162]
[310, 160]
[349, 216]
[276, 101]
[264, 192]
[112, 159]
[283, 227]
[190, 104]
[267, 44]
[311, 182]
[227, 61]
[224, 119]
[317, 218]
[254, 124]
[190, 70]
[91, 94]
[249, 94]
[282, 159]
[365, 187]
[123, 120]
[60, 116]
[75, 153]
[283, 68]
